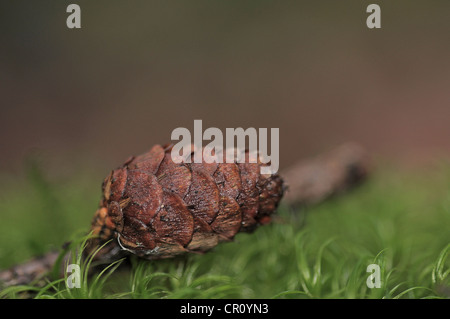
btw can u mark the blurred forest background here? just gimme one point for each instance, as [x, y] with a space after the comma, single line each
[138, 69]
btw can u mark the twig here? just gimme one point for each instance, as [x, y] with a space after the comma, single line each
[314, 180]
[308, 182]
[29, 271]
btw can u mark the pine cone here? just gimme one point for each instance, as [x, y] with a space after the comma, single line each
[155, 208]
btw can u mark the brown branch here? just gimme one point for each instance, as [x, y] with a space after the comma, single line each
[29, 271]
[308, 182]
[314, 180]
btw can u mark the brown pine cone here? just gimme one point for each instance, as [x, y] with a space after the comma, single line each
[155, 208]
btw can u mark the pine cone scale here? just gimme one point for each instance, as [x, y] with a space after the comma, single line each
[229, 219]
[228, 179]
[174, 177]
[149, 161]
[174, 223]
[203, 196]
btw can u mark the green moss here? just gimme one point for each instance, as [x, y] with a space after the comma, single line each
[398, 220]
